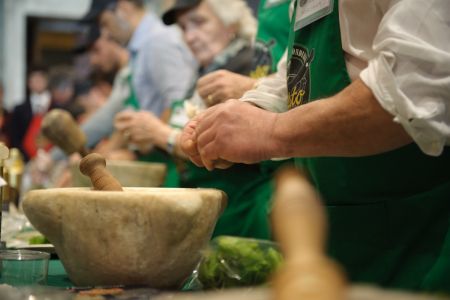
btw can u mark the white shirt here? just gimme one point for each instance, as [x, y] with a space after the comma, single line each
[401, 50]
[40, 102]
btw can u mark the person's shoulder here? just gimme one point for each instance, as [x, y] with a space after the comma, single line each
[171, 36]
[22, 107]
[167, 39]
[165, 33]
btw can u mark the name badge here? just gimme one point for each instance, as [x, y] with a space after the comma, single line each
[309, 11]
[271, 3]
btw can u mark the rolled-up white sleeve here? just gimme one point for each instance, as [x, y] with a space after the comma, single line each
[270, 93]
[410, 72]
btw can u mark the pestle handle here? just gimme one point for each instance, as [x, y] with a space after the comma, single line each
[299, 225]
[62, 130]
[94, 166]
[298, 215]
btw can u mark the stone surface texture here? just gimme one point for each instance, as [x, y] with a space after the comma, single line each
[141, 236]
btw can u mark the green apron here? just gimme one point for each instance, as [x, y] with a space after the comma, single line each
[249, 193]
[159, 156]
[132, 101]
[272, 36]
[388, 213]
[156, 155]
[271, 42]
[248, 189]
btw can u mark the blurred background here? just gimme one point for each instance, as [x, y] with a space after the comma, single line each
[44, 64]
[51, 58]
[41, 32]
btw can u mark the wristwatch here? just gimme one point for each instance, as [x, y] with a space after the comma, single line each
[172, 140]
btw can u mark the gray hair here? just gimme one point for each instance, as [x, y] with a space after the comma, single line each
[236, 12]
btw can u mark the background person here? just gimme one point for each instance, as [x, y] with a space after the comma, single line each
[271, 41]
[219, 34]
[162, 67]
[30, 112]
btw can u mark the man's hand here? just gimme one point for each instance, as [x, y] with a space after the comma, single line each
[352, 123]
[219, 86]
[138, 126]
[188, 141]
[234, 131]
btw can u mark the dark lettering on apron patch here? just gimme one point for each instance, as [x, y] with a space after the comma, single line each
[298, 81]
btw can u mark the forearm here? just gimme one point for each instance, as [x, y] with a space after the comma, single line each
[100, 124]
[169, 133]
[177, 150]
[116, 141]
[352, 123]
[162, 136]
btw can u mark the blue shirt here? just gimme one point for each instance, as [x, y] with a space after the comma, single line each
[163, 68]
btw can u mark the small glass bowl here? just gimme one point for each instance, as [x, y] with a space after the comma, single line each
[23, 267]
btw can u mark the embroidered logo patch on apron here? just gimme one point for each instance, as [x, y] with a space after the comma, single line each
[298, 80]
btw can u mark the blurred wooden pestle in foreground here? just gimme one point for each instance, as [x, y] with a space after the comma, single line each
[299, 223]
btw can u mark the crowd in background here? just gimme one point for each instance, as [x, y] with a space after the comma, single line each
[147, 78]
[357, 94]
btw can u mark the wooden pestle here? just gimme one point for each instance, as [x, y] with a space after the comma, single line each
[62, 130]
[94, 166]
[299, 225]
